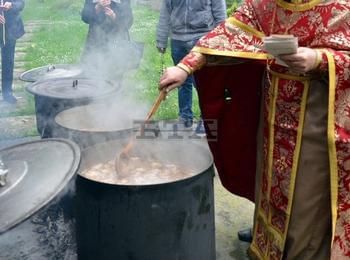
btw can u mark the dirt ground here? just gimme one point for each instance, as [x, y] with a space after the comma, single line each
[232, 213]
[14, 127]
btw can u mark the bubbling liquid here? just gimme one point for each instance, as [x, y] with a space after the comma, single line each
[137, 172]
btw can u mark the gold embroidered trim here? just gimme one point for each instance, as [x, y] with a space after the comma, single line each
[256, 252]
[253, 247]
[245, 27]
[185, 68]
[298, 6]
[331, 141]
[272, 104]
[280, 238]
[271, 123]
[271, 233]
[236, 54]
[261, 214]
[290, 76]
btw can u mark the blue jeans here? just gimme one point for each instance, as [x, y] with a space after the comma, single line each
[179, 49]
[7, 63]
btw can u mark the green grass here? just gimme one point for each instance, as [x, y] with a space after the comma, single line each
[52, 10]
[60, 41]
[62, 38]
[27, 110]
[147, 77]
[63, 41]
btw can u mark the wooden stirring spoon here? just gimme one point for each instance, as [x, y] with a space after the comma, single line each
[123, 157]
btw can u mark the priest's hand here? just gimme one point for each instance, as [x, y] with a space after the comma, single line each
[303, 61]
[2, 19]
[172, 78]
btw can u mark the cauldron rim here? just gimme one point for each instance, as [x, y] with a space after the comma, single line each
[200, 172]
[30, 86]
[96, 131]
[148, 186]
[82, 130]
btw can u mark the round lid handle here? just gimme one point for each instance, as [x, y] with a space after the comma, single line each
[3, 173]
[75, 83]
[50, 68]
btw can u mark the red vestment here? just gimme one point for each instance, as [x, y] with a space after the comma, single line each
[318, 24]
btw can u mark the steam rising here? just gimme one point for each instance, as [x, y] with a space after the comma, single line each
[112, 114]
[112, 60]
[191, 157]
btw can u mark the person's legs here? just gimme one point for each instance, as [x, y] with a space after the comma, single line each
[179, 49]
[7, 63]
[200, 130]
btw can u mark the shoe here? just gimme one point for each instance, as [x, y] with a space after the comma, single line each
[185, 123]
[245, 235]
[188, 123]
[200, 130]
[9, 98]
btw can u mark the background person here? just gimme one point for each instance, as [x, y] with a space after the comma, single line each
[109, 23]
[185, 22]
[302, 193]
[11, 29]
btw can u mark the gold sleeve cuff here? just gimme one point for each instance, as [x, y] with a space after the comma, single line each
[185, 68]
[193, 61]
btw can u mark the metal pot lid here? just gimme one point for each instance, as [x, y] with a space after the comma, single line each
[72, 88]
[32, 175]
[51, 71]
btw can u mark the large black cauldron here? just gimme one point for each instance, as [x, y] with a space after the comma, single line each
[36, 200]
[57, 94]
[166, 221]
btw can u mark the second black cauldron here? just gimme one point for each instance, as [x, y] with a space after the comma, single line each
[57, 94]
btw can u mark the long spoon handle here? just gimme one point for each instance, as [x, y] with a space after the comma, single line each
[160, 98]
[125, 152]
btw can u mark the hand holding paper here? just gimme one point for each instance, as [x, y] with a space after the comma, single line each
[280, 44]
[305, 60]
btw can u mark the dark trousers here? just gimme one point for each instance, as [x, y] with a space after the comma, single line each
[7, 65]
[179, 49]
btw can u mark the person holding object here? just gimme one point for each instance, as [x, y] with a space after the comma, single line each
[11, 29]
[185, 22]
[289, 124]
[109, 23]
